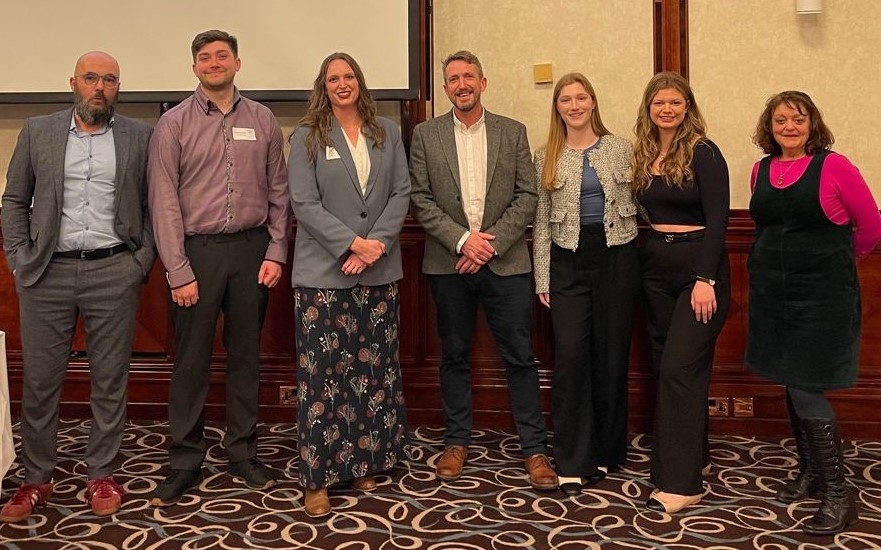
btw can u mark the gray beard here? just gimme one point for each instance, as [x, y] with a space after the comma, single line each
[98, 116]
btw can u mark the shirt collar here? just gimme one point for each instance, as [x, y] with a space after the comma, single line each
[476, 126]
[102, 130]
[207, 105]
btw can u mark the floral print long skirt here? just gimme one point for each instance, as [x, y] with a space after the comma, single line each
[351, 418]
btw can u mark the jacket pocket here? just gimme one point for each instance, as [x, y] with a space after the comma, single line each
[626, 210]
[557, 216]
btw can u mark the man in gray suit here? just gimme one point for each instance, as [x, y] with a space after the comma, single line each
[474, 192]
[78, 240]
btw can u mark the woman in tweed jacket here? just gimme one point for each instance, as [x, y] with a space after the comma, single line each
[587, 273]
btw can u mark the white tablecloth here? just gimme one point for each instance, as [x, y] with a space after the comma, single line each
[7, 450]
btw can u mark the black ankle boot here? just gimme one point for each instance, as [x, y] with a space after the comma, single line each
[806, 484]
[838, 507]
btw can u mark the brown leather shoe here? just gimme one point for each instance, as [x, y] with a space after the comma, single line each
[365, 483]
[316, 503]
[541, 473]
[449, 466]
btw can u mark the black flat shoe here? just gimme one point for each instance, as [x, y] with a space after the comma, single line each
[596, 477]
[571, 489]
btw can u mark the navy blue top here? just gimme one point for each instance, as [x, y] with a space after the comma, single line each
[593, 199]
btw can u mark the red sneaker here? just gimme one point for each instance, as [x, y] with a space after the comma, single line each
[28, 498]
[105, 496]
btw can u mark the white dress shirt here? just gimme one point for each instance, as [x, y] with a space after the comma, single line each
[362, 159]
[471, 154]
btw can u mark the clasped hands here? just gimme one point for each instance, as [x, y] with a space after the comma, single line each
[476, 252]
[365, 252]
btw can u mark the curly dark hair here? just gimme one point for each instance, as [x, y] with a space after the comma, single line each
[819, 138]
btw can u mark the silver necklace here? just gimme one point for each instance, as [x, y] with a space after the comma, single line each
[783, 172]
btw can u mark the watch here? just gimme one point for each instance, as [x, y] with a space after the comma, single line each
[711, 282]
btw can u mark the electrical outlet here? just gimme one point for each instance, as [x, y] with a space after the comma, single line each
[287, 395]
[743, 406]
[718, 406]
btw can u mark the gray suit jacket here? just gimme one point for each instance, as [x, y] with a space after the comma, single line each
[437, 198]
[330, 209]
[36, 176]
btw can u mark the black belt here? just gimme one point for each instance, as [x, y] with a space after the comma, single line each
[94, 254]
[679, 237]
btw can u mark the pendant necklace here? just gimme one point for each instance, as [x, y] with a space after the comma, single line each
[783, 172]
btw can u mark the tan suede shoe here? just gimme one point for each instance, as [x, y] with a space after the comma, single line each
[541, 473]
[366, 483]
[317, 503]
[449, 466]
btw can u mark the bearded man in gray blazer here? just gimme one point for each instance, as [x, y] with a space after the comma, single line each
[78, 240]
[474, 192]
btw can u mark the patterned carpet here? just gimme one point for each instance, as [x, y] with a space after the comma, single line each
[490, 507]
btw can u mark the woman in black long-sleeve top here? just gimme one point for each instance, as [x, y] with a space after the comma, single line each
[681, 178]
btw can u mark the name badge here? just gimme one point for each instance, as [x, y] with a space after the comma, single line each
[244, 134]
[331, 153]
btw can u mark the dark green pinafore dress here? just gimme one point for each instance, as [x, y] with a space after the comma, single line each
[804, 296]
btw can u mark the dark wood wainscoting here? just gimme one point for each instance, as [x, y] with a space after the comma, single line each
[742, 402]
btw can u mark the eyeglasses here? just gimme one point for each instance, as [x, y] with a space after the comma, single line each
[91, 79]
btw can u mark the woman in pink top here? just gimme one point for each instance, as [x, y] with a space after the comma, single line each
[815, 217]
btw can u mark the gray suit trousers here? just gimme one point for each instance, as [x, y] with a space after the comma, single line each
[105, 292]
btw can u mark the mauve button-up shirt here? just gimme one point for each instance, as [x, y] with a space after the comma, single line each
[211, 173]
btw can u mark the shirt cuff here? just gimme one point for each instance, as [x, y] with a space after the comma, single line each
[181, 277]
[461, 242]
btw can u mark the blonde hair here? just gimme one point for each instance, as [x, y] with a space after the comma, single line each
[557, 132]
[676, 167]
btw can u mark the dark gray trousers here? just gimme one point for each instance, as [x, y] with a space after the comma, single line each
[105, 293]
[226, 268]
[507, 302]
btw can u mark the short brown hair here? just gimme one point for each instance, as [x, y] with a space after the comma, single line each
[819, 137]
[204, 38]
[462, 55]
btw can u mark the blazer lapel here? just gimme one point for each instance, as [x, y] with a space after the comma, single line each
[342, 148]
[376, 158]
[493, 142]
[121, 145]
[447, 137]
[58, 149]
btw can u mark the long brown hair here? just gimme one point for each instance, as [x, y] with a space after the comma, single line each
[819, 136]
[319, 114]
[676, 167]
[557, 132]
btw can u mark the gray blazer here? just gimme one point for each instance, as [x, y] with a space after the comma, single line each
[36, 175]
[510, 193]
[331, 210]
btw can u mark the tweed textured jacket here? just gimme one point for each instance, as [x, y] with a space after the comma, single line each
[558, 218]
[437, 197]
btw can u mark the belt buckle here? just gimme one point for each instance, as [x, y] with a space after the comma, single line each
[669, 238]
[84, 254]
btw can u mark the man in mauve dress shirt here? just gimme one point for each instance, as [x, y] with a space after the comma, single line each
[78, 240]
[218, 190]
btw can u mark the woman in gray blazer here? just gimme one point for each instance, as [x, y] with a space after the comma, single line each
[587, 273]
[350, 191]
